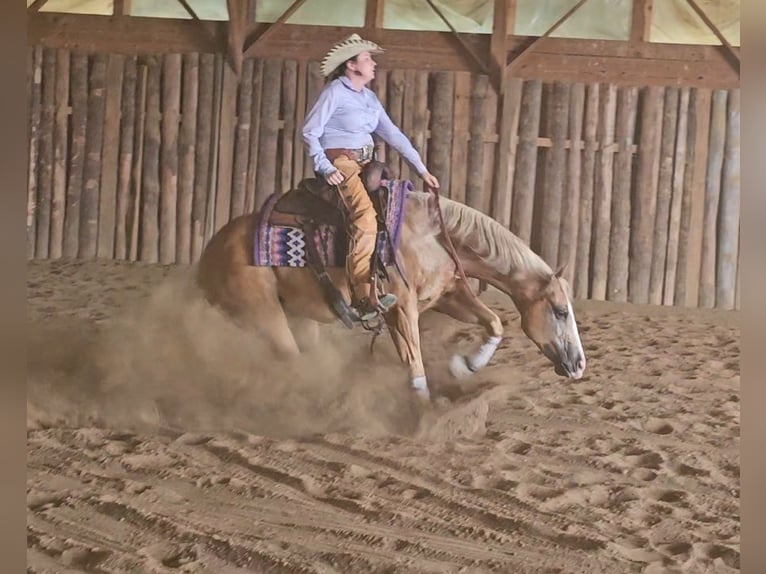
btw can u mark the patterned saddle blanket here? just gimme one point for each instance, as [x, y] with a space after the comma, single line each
[277, 245]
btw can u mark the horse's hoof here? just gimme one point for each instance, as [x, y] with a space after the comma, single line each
[458, 367]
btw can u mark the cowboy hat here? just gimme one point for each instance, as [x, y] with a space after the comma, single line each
[345, 50]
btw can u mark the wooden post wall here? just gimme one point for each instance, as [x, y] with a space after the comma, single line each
[634, 189]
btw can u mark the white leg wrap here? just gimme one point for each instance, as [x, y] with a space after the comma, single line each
[420, 386]
[484, 354]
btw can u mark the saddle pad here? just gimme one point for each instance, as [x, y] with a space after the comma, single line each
[284, 246]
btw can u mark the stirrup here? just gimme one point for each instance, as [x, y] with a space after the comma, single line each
[367, 312]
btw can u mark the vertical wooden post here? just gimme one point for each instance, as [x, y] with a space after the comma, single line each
[394, 108]
[645, 204]
[475, 182]
[171, 107]
[227, 127]
[505, 159]
[45, 157]
[602, 197]
[242, 140]
[149, 250]
[555, 172]
[526, 167]
[728, 223]
[255, 135]
[299, 155]
[641, 22]
[420, 113]
[585, 220]
[442, 93]
[408, 103]
[202, 153]
[461, 114]
[712, 197]
[287, 106]
[570, 208]
[674, 225]
[127, 130]
[138, 162]
[314, 84]
[107, 205]
[60, 155]
[79, 89]
[620, 232]
[186, 156]
[266, 178]
[664, 195]
[35, 86]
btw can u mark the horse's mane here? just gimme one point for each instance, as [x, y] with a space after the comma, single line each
[495, 245]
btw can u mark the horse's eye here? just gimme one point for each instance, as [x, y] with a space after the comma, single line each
[561, 312]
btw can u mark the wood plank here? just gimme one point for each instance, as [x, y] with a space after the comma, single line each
[379, 85]
[45, 155]
[620, 232]
[505, 162]
[150, 171]
[214, 182]
[79, 98]
[641, 22]
[203, 152]
[126, 156]
[461, 117]
[712, 198]
[60, 155]
[242, 141]
[674, 226]
[645, 204]
[299, 156]
[602, 197]
[526, 166]
[570, 208]
[664, 196]
[555, 172]
[186, 156]
[107, 206]
[729, 210]
[408, 103]
[491, 108]
[585, 219]
[35, 78]
[475, 184]
[440, 144]
[420, 114]
[314, 84]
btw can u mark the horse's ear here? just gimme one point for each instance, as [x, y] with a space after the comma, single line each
[560, 271]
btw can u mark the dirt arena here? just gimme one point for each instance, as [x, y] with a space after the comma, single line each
[163, 439]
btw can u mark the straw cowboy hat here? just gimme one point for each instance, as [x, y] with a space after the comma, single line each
[345, 50]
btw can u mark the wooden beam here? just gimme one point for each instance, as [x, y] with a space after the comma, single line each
[373, 14]
[252, 41]
[565, 59]
[35, 6]
[121, 8]
[235, 38]
[717, 32]
[515, 62]
[641, 22]
[482, 64]
[503, 19]
[190, 10]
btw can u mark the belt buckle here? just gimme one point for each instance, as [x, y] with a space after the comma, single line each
[365, 154]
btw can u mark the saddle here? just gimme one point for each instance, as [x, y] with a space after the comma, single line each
[314, 203]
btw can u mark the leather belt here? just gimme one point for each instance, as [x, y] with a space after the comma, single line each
[361, 155]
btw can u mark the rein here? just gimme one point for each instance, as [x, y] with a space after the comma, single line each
[450, 247]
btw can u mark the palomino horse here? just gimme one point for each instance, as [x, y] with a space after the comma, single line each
[262, 297]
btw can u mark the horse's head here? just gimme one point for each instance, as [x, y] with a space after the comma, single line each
[547, 317]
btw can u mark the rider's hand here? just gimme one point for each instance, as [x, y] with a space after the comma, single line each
[335, 178]
[431, 180]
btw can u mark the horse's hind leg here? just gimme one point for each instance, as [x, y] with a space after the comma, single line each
[253, 302]
[462, 305]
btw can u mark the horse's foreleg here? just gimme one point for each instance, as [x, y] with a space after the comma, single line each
[405, 333]
[462, 305]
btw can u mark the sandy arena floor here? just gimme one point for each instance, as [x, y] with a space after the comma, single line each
[163, 439]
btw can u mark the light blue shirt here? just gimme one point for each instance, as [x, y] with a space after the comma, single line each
[343, 117]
